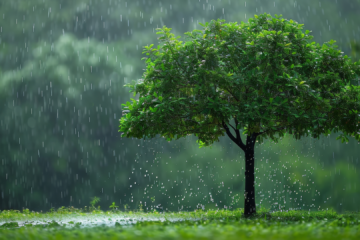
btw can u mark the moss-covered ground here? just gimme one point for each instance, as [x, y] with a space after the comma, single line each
[70, 223]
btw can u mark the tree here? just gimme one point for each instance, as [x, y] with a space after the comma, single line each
[263, 77]
[52, 112]
[355, 49]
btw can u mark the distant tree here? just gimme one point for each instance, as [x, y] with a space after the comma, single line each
[264, 77]
[355, 49]
[49, 121]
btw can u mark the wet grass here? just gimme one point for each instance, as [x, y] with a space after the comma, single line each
[70, 223]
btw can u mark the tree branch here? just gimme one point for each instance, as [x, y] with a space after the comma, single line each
[237, 141]
[237, 130]
[232, 127]
[233, 95]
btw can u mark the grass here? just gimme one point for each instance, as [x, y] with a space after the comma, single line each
[71, 223]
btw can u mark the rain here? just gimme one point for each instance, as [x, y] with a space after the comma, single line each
[63, 68]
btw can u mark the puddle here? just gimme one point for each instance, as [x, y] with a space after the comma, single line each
[91, 220]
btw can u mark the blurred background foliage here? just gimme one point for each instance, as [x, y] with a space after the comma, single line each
[63, 65]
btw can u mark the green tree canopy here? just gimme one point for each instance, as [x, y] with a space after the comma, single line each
[265, 75]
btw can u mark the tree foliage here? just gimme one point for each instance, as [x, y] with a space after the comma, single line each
[264, 74]
[54, 117]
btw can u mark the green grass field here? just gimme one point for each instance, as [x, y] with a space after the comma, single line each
[70, 223]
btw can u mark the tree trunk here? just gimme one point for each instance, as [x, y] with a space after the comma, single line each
[249, 204]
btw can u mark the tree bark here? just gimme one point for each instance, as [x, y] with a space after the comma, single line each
[249, 194]
[249, 203]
